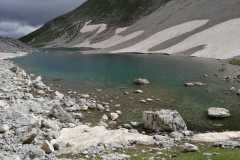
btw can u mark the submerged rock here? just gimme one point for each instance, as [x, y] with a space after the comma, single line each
[192, 84]
[164, 120]
[215, 112]
[141, 81]
[138, 91]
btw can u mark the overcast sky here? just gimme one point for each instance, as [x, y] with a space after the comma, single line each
[20, 17]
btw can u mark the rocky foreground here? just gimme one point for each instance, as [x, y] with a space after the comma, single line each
[37, 122]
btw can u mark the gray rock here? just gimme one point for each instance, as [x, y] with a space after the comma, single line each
[4, 128]
[189, 84]
[37, 83]
[164, 141]
[138, 91]
[78, 115]
[141, 81]
[227, 144]
[100, 107]
[59, 113]
[215, 112]
[84, 96]
[47, 147]
[29, 137]
[178, 136]
[114, 116]
[115, 156]
[164, 120]
[45, 123]
[187, 147]
[59, 95]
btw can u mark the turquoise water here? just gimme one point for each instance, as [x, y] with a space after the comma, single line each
[115, 73]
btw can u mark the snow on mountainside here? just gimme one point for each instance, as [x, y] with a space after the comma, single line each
[203, 28]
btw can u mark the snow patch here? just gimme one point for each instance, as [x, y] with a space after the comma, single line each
[93, 27]
[112, 41]
[163, 36]
[221, 41]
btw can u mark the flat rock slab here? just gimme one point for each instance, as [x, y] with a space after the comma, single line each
[84, 137]
[215, 112]
[215, 137]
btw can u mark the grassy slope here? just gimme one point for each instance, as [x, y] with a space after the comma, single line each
[112, 12]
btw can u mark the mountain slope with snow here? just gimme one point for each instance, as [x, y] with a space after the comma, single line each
[203, 28]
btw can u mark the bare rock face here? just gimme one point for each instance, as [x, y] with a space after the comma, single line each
[215, 112]
[164, 120]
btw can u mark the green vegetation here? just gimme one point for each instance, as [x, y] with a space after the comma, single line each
[147, 153]
[235, 61]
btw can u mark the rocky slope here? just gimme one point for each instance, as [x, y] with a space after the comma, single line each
[9, 45]
[192, 27]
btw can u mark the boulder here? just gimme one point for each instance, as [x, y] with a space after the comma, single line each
[215, 112]
[164, 141]
[141, 81]
[47, 147]
[59, 113]
[4, 128]
[114, 116]
[59, 95]
[37, 83]
[100, 107]
[84, 96]
[227, 144]
[189, 84]
[138, 91]
[164, 120]
[187, 147]
[29, 138]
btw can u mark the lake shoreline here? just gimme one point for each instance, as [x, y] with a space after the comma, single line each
[35, 102]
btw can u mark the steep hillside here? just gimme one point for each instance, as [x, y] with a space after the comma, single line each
[9, 45]
[204, 28]
[110, 12]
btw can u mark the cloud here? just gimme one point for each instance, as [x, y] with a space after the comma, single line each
[19, 17]
[15, 29]
[35, 12]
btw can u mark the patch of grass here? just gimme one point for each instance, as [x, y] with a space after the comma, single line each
[148, 153]
[235, 61]
[205, 153]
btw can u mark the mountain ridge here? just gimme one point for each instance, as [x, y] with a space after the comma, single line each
[200, 28]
